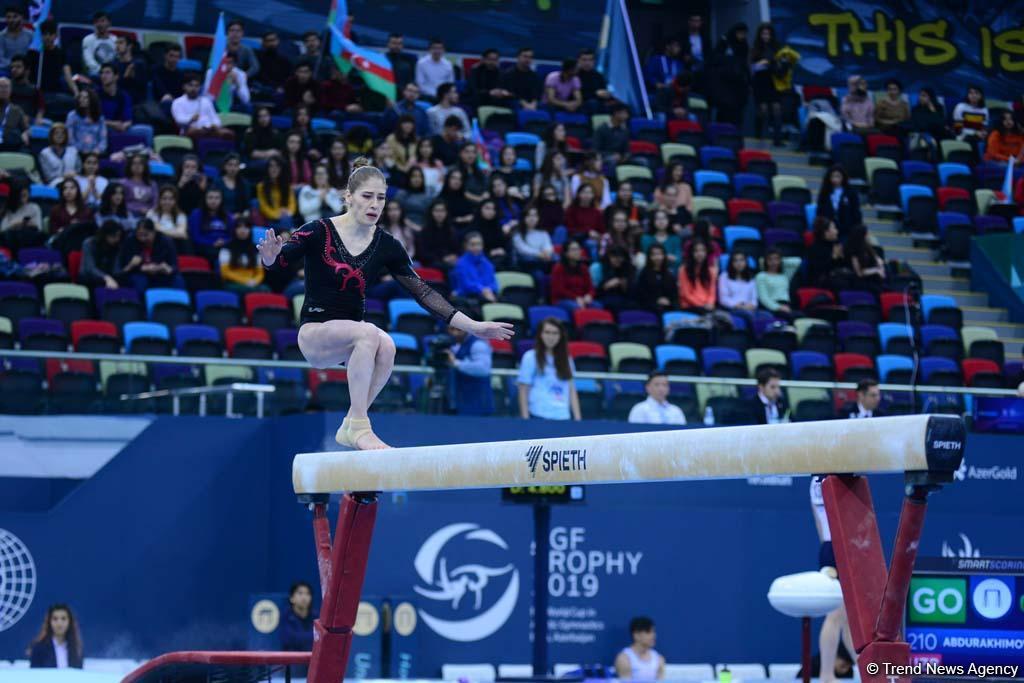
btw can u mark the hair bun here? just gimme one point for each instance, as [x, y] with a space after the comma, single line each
[361, 162]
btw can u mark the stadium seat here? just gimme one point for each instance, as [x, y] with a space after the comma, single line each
[983, 342]
[758, 359]
[940, 340]
[119, 306]
[933, 305]
[631, 358]
[938, 371]
[889, 364]
[18, 300]
[957, 151]
[676, 360]
[813, 296]
[641, 177]
[117, 378]
[6, 333]
[196, 272]
[718, 159]
[538, 313]
[856, 336]
[713, 184]
[789, 188]
[885, 147]
[955, 230]
[719, 361]
[754, 187]
[849, 151]
[725, 135]
[66, 302]
[758, 162]
[787, 216]
[221, 309]
[42, 334]
[202, 341]
[919, 208]
[919, 173]
[811, 366]
[851, 367]
[711, 209]
[686, 132]
[95, 336]
[248, 342]
[147, 338]
[956, 175]
[890, 300]
[72, 386]
[677, 153]
[649, 130]
[641, 327]
[981, 372]
[956, 199]
[884, 179]
[588, 356]
[171, 307]
[896, 339]
[984, 225]
[742, 238]
[747, 212]
[536, 122]
[267, 310]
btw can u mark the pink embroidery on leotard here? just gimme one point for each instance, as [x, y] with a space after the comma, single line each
[346, 271]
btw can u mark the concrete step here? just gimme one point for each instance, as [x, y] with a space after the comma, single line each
[944, 282]
[907, 253]
[982, 315]
[928, 267]
[890, 242]
[963, 299]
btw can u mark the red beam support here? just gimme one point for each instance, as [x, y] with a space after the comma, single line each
[322, 538]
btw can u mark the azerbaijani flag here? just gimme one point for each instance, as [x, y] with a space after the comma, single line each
[373, 66]
[38, 12]
[483, 155]
[217, 85]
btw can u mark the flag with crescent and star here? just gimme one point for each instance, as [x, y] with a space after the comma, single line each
[374, 67]
[217, 84]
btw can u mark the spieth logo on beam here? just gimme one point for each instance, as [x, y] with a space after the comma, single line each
[567, 460]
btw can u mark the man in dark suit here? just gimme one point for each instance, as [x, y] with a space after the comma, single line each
[768, 407]
[866, 405]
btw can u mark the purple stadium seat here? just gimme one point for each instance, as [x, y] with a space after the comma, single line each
[39, 255]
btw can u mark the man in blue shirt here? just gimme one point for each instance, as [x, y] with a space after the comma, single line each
[470, 359]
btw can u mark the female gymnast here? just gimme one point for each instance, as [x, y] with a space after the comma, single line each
[342, 256]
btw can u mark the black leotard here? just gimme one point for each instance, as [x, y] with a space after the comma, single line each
[336, 281]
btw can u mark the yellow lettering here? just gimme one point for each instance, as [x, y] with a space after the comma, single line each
[833, 22]
[901, 40]
[932, 48]
[986, 47]
[880, 38]
[1011, 44]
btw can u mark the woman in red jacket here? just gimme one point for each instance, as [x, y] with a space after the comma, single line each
[583, 219]
[571, 286]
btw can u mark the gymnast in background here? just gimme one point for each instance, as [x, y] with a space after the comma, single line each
[342, 256]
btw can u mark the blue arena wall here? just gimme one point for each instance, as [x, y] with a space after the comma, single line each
[163, 548]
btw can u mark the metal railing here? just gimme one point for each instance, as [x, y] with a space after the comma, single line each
[202, 392]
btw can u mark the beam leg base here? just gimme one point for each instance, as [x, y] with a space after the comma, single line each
[330, 654]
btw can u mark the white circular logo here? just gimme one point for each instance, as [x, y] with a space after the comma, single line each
[404, 619]
[17, 579]
[367, 619]
[451, 585]
[992, 598]
[265, 616]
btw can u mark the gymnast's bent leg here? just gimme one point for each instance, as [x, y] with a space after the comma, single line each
[384, 363]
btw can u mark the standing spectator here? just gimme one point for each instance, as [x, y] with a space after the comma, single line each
[826, 262]
[195, 115]
[523, 82]
[407, 107]
[531, 243]
[546, 387]
[583, 220]
[403, 64]
[24, 92]
[593, 86]
[858, 109]
[59, 643]
[773, 285]
[729, 74]
[99, 257]
[300, 171]
[970, 117]
[58, 160]
[15, 124]
[613, 278]
[654, 410]
[592, 173]
[432, 69]
[240, 266]
[115, 103]
[147, 259]
[301, 87]
[297, 625]
[70, 209]
[168, 81]
[22, 213]
[262, 140]
[235, 188]
[1006, 141]
[868, 266]
[763, 67]
[237, 81]
[737, 290]
[415, 198]
[866, 405]
[318, 199]
[275, 196]
[191, 184]
[698, 278]
[892, 112]
[55, 72]
[838, 201]
[90, 182]
[99, 47]
[611, 140]
[473, 274]
[275, 68]
[571, 286]
[210, 227]
[655, 286]
[448, 143]
[114, 208]
[243, 55]
[769, 407]
[140, 190]
[485, 82]
[471, 359]
[696, 50]
[562, 88]
[661, 233]
[437, 245]
[170, 220]
[447, 99]
[132, 73]
[660, 73]
[14, 40]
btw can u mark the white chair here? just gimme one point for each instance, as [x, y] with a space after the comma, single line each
[515, 671]
[689, 672]
[563, 669]
[477, 673]
[746, 672]
[783, 672]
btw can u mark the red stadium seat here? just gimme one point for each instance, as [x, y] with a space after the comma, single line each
[890, 300]
[501, 346]
[875, 141]
[193, 43]
[255, 300]
[739, 206]
[81, 329]
[236, 335]
[582, 317]
[431, 275]
[55, 366]
[677, 126]
[74, 264]
[817, 92]
[194, 263]
[578, 349]
[847, 361]
[944, 194]
[318, 377]
[805, 295]
[747, 155]
[643, 147]
[972, 366]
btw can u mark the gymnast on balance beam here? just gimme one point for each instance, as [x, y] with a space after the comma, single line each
[342, 256]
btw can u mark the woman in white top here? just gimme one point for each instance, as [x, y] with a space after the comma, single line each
[92, 184]
[58, 159]
[22, 212]
[546, 387]
[737, 290]
[835, 624]
[532, 244]
[168, 217]
[319, 200]
[640, 661]
[59, 644]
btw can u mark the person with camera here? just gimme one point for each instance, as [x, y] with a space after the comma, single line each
[470, 385]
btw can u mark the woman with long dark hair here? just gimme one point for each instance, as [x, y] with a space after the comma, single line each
[415, 198]
[262, 140]
[210, 227]
[396, 225]
[697, 278]
[583, 219]
[59, 643]
[737, 290]
[655, 286]
[90, 181]
[766, 98]
[240, 266]
[474, 180]
[488, 224]
[430, 165]
[437, 244]
[114, 208]
[552, 211]
[71, 209]
[509, 207]
[87, 130]
[1006, 141]
[679, 205]
[274, 193]
[554, 172]
[531, 242]
[233, 185]
[826, 261]
[571, 286]
[613, 278]
[554, 139]
[773, 285]
[868, 266]
[338, 167]
[619, 234]
[660, 233]
[460, 208]
[402, 143]
[518, 181]
[319, 199]
[192, 184]
[139, 188]
[296, 158]
[546, 387]
[297, 623]
[170, 220]
[838, 201]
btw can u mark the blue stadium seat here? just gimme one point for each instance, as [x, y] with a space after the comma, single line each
[673, 317]
[517, 138]
[663, 353]
[932, 364]
[929, 302]
[202, 336]
[44, 192]
[703, 177]
[144, 330]
[886, 364]
[399, 307]
[537, 313]
[715, 355]
[213, 297]
[404, 341]
[800, 360]
[810, 213]
[733, 233]
[908, 192]
[890, 331]
[948, 171]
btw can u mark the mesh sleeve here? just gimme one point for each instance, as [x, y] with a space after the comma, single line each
[400, 267]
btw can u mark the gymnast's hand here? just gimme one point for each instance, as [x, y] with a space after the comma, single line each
[492, 330]
[269, 247]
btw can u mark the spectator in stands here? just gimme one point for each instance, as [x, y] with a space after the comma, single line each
[432, 69]
[170, 220]
[868, 398]
[132, 73]
[532, 244]
[655, 288]
[15, 124]
[233, 186]
[661, 233]
[970, 117]
[681, 205]
[395, 224]
[337, 164]
[98, 48]
[14, 39]
[99, 257]
[571, 286]
[839, 202]
[210, 226]
[473, 274]
[301, 87]
[337, 93]
[562, 89]
[661, 70]
[617, 232]
[515, 176]
[22, 214]
[737, 291]
[698, 278]
[24, 92]
[592, 173]
[696, 50]
[624, 201]
[58, 160]
[858, 108]
[460, 209]
[244, 57]
[274, 194]
[262, 140]
[195, 115]
[240, 266]
[237, 82]
[415, 198]
[928, 122]
[485, 82]
[59, 643]
[554, 173]
[868, 266]
[655, 409]
[554, 139]
[168, 81]
[766, 98]
[1005, 141]
[640, 661]
[611, 140]
[552, 213]
[613, 278]
[707, 231]
[471, 360]
[140, 190]
[773, 285]
[523, 82]
[297, 625]
[892, 112]
[583, 219]
[87, 130]
[446, 107]
[546, 387]
[769, 407]
[274, 67]
[296, 158]
[147, 259]
[403, 64]
[448, 142]
[191, 183]
[115, 103]
[826, 262]
[318, 62]
[473, 177]
[71, 208]
[55, 72]
[730, 75]
[407, 107]
[318, 199]
[90, 182]
[593, 86]
[431, 167]
[437, 245]
[114, 207]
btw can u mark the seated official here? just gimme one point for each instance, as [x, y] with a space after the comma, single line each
[656, 409]
[866, 405]
[769, 407]
[470, 359]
